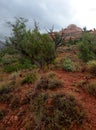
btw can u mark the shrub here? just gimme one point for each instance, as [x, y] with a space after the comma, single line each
[51, 74]
[6, 98]
[87, 47]
[85, 53]
[5, 92]
[46, 82]
[26, 64]
[9, 59]
[57, 111]
[54, 83]
[91, 88]
[5, 89]
[68, 65]
[56, 63]
[11, 68]
[29, 125]
[15, 102]
[18, 66]
[25, 100]
[3, 113]
[92, 67]
[29, 78]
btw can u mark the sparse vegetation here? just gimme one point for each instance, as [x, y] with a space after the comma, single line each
[5, 89]
[5, 92]
[91, 88]
[5, 98]
[92, 67]
[29, 78]
[68, 65]
[39, 75]
[19, 65]
[48, 82]
[15, 103]
[59, 111]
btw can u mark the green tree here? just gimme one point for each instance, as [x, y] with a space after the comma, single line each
[31, 44]
[87, 46]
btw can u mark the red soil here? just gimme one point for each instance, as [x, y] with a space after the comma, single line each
[88, 102]
[15, 120]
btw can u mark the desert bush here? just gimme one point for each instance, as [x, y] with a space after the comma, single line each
[57, 111]
[68, 64]
[18, 66]
[51, 74]
[9, 59]
[47, 82]
[25, 100]
[11, 68]
[91, 65]
[56, 63]
[5, 92]
[91, 88]
[29, 78]
[5, 89]
[29, 125]
[6, 98]
[26, 64]
[15, 102]
[3, 113]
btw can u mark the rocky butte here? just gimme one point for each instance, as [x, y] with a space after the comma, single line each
[72, 31]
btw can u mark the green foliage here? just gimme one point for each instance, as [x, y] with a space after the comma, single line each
[91, 88]
[68, 64]
[87, 47]
[91, 65]
[56, 111]
[38, 47]
[29, 78]
[70, 41]
[11, 68]
[85, 52]
[8, 59]
[57, 63]
[12, 65]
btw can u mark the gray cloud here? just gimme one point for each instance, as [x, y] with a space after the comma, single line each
[47, 12]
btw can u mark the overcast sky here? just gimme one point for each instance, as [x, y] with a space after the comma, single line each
[59, 13]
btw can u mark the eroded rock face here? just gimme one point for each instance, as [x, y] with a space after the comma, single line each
[72, 31]
[74, 28]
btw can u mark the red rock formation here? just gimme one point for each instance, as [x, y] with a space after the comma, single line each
[72, 31]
